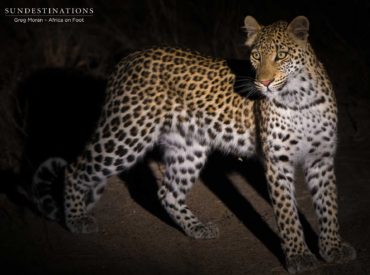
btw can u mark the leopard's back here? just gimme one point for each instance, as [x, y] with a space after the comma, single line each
[168, 89]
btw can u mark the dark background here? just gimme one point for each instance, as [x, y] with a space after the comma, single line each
[339, 33]
[52, 76]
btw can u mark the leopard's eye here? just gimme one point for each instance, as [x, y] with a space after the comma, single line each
[281, 55]
[255, 55]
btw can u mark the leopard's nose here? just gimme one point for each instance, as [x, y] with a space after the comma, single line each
[267, 82]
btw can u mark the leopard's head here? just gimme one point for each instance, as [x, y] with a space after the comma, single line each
[278, 52]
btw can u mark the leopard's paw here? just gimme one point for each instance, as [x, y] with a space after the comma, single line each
[343, 254]
[203, 231]
[302, 262]
[83, 225]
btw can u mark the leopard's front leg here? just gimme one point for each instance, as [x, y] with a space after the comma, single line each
[280, 177]
[320, 177]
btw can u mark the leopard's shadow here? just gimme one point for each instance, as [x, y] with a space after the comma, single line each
[252, 170]
[142, 187]
[60, 107]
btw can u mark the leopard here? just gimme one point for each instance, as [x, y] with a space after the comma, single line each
[185, 103]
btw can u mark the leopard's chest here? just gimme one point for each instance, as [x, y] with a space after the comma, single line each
[297, 133]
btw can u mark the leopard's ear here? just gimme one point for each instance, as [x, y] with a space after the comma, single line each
[252, 27]
[299, 28]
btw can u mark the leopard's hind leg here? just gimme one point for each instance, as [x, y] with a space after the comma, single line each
[86, 178]
[184, 160]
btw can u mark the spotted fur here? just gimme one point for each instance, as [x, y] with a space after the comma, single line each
[185, 103]
[297, 126]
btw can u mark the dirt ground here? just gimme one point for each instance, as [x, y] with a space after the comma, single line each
[137, 237]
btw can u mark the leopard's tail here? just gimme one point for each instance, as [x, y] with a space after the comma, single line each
[47, 188]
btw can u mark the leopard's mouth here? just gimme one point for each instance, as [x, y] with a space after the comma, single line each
[271, 91]
[263, 89]
[274, 87]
